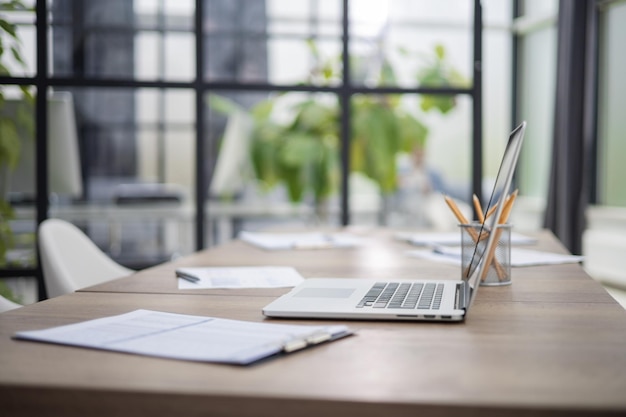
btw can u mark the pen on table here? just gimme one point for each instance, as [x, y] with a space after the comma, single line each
[187, 277]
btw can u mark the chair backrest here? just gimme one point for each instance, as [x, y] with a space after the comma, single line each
[71, 261]
[6, 305]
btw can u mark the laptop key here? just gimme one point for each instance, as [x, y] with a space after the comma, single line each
[413, 296]
[386, 295]
[400, 295]
[371, 296]
[427, 297]
[438, 297]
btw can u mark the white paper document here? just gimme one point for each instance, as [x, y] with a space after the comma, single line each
[452, 238]
[310, 240]
[238, 277]
[187, 337]
[519, 257]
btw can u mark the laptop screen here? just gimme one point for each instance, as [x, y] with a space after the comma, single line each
[496, 204]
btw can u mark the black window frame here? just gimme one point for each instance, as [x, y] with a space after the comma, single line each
[43, 81]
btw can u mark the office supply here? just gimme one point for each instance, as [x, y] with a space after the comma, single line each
[187, 337]
[491, 254]
[186, 277]
[238, 277]
[498, 269]
[455, 209]
[307, 240]
[452, 238]
[392, 299]
[520, 257]
[479, 209]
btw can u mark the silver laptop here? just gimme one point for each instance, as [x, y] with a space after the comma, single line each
[416, 300]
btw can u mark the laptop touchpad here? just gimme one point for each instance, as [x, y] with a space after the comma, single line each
[325, 292]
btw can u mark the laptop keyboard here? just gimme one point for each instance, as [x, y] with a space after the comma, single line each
[416, 295]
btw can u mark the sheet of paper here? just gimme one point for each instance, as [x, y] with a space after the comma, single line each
[311, 240]
[240, 277]
[452, 238]
[519, 257]
[185, 337]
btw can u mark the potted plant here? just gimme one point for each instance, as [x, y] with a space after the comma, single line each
[300, 149]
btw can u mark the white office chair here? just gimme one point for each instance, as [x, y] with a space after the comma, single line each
[71, 261]
[6, 305]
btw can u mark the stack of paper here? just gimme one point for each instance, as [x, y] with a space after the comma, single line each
[452, 238]
[519, 257]
[238, 277]
[186, 337]
[311, 240]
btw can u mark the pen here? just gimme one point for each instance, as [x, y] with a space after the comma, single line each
[187, 277]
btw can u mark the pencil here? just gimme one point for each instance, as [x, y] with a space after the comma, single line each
[455, 209]
[508, 206]
[473, 234]
[491, 211]
[461, 217]
[504, 216]
[479, 209]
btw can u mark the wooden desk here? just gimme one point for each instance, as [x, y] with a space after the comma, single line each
[553, 343]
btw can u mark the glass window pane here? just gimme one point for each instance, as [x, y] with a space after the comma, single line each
[272, 43]
[123, 39]
[539, 8]
[135, 169]
[19, 34]
[537, 86]
[612, 101]
[403, 158]
[497, 13]
[276, 167]
[17, 177]
[179, 52]
[400, 43]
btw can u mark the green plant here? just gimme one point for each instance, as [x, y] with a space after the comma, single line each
[298, 144]
[11, 123]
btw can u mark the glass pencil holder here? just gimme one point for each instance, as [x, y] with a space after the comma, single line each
[474, 240]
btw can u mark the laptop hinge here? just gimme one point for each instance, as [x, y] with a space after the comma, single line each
[462, 295]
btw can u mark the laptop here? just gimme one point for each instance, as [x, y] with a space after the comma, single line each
[412, 300]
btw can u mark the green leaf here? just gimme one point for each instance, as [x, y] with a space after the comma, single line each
[299, 149]
[10, 145]
[9, 28]
[440, 102]
[265, 163]
[223, 105]
[262, 110]
[440, 51]
[413, 133]
[387, 74]
[17, 56]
